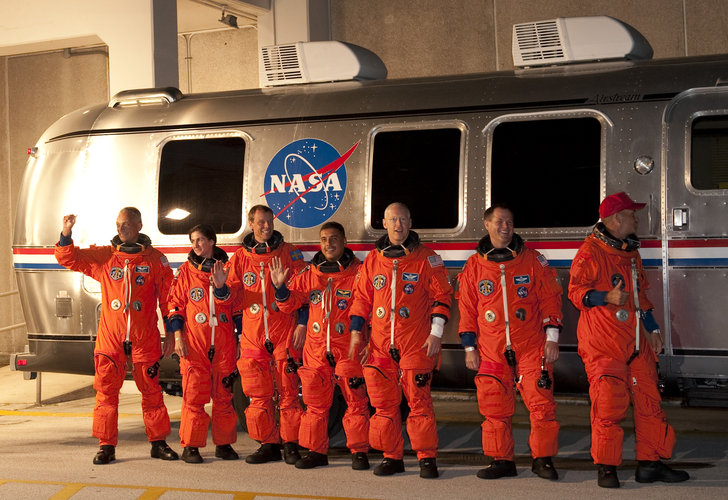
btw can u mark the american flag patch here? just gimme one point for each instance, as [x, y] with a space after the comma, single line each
[435, 261]
[543, 260]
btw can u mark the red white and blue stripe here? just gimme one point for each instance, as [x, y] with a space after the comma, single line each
[681, 253]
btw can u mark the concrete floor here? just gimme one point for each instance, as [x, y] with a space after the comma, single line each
[46, 452]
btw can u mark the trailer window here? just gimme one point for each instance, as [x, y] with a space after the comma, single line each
[420, 168]
[547, 171]
[709, 153]
[201, 182]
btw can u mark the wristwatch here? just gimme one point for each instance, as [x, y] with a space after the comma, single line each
[469, 348]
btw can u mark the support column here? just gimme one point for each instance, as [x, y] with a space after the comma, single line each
[290, 21]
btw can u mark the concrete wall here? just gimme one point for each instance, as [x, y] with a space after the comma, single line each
[413, 38]
[35, 90]
[219, 60]
[431, 37]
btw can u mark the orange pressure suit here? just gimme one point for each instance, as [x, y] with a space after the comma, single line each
[202, 378]
[327, 288]
[261, 372]
[606, 335]
[533, 303]
[421, 291]
[133, 279]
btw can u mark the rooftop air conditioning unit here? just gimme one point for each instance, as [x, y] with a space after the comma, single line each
[577, 39]
[308, 62]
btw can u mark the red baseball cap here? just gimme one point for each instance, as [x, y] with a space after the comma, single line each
[616, 203]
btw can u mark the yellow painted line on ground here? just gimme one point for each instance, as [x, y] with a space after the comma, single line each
[154, 492]
[67, 492]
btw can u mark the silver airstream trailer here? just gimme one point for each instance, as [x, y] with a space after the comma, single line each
[549, 141]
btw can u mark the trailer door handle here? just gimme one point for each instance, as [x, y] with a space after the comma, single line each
[680, 219]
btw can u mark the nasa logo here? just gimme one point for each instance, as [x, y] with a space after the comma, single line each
[522, 292]
[116, 273]
[196, 294]
[409, 288]
[139, 280]
[342, 303]
[305, 182]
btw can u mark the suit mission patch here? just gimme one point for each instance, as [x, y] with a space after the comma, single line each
[485, 287]
[315, 296]
[197, 294]
[249, 278]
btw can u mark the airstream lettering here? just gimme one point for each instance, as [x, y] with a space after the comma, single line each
[551, 142]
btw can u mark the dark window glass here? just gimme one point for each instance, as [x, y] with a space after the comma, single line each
[205, 178]
[547, 171]
[420, 168]
[709, 153]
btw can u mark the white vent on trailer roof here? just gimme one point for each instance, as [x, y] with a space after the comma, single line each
[282, 64]
[308, 62]
[539, 41]
[577, 39]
